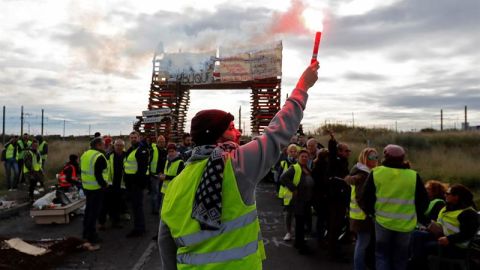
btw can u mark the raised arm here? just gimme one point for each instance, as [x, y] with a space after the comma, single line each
[253, 160]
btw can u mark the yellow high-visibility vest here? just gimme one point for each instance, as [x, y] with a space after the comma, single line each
[237, 245]
[395, 204]
[87, 166]
[170, 171]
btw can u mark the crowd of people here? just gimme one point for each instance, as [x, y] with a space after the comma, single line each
[110, 173]
[24, 159]
[395, 219]
[205, 195]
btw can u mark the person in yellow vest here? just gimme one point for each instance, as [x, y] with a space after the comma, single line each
[22, 146]
[115, 173]
[32, 168]
[360, 223]
[450, 235]
[291, 159]
[209, 218]
[158, 158]
[173, 167]
[299, 182]
[113, 194]
[11, 164]
[94, 172]
[436, 194]
[43, 149]
[395, 195]
[136, 176]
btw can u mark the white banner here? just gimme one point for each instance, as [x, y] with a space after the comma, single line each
[224, 65]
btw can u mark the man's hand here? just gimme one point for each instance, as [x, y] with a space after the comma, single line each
[162, 177]
[443, 241]
[309, 77]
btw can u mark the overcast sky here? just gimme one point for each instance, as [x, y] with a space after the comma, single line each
[383, 62]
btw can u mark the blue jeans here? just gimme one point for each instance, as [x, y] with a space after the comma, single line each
[155, 195]
[11, 165]
[391, 249]
[361, 245]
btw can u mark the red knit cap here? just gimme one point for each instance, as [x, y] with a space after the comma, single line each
[171, 146]
[208, 125]
[393, 151]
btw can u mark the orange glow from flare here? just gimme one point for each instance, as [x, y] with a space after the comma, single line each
[313, 19]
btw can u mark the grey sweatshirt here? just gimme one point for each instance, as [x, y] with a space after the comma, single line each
[250, 162]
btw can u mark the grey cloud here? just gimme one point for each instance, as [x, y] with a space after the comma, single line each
[357, 76]
[43, 82]
[409, 24]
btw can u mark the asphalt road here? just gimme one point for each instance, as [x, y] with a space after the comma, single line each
[119, 252]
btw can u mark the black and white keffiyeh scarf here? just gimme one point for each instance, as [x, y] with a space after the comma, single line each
[207, 205]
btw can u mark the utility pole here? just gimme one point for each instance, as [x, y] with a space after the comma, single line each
[42, 123]
[466, 123]
[441, 120]
[63, 129]
[3, 126]
[353, 120]
[240, 118]
[89, 129]
[21, 121]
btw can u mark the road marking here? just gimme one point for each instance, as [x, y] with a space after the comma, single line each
[145, 256]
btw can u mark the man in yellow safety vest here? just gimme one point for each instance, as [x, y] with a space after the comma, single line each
[94, 168]
[395, 195]
[32, 168]
[209, 218]
[136, 178]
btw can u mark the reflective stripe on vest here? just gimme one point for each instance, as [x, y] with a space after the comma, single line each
[154, 162]
[395, 193]
[36, 163]
[40, 149]
[355, 211]
[87, 166]
[287, 198]
[62, 178]
[450, 223]
[219, 256]
[130, 164]
[228, 226]
[236, 245]
[170, 171]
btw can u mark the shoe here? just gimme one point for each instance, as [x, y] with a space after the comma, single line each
[10, 189]
[134, 234]
[287, 237]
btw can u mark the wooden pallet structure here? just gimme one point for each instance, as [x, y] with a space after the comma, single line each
[258, 70]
